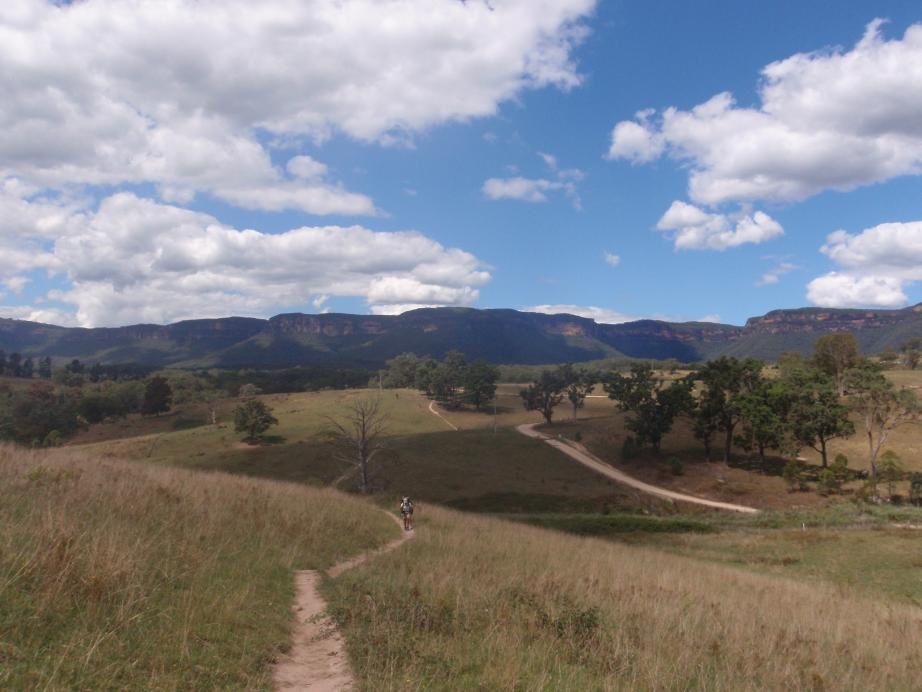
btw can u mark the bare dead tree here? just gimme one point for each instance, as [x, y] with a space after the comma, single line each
[358, 439]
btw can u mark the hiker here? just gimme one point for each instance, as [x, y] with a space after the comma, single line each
[406, 509]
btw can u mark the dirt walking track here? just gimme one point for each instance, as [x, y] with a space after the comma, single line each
[590, 460]
[317, 660]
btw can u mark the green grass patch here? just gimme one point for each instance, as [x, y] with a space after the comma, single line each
[614, 524]
[501, 472]
[880, 562]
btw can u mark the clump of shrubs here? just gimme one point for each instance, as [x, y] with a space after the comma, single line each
[827, 483]
[793, 475]
[675, 466]
[830, 480]
[915, 488]
[839, 467]
[891, 471]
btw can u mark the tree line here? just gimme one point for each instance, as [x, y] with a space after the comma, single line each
[15, 365]
[452, 381]
[43, 414]
[731, 402]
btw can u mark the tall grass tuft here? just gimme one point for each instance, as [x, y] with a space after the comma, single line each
[477, 603]
[118, 575]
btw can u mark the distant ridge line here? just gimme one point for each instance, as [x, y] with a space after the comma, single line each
[502, 336]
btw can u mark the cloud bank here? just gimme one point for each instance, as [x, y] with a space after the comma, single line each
[827, 120]
[136, 259]
[116, 116]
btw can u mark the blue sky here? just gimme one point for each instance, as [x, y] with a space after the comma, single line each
[372, 156]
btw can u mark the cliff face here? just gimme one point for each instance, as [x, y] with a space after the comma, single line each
[817, 320]
[501, 336]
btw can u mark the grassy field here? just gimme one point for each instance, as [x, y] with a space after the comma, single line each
[295, 451]
[476, 603]
[301, 417]
[129, 576]
[474, 468]
[882, 562]
[510, 412]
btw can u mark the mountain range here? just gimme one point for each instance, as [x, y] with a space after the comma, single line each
[500, 336]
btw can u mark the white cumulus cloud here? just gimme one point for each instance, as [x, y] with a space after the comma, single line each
[835, 290]
[523, 189]
[185, 94]
[831, 119]
[875, 266]
[638, 142]
[695, 229]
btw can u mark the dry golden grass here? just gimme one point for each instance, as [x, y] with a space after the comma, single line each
[475, 603]
[128, 576]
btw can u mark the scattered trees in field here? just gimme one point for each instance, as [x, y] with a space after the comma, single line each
[880, 406]
[723, 382]
[446, 379]
[763, 415]
[912, 352]
[13, 363]
[651, 405]
[478, 380]
[17, 365]
[451, 381]
[400, 372]
[422, 380]
[248, 391]
[579, 383]
[815, 413]
[359, 438]
[75, 367]
[834, 354]
[551, 387]
[158, 396]
[253, 417]
[544, 394]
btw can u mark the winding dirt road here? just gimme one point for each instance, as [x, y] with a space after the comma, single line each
[317, 660]
[591, 461]
[435, 412]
